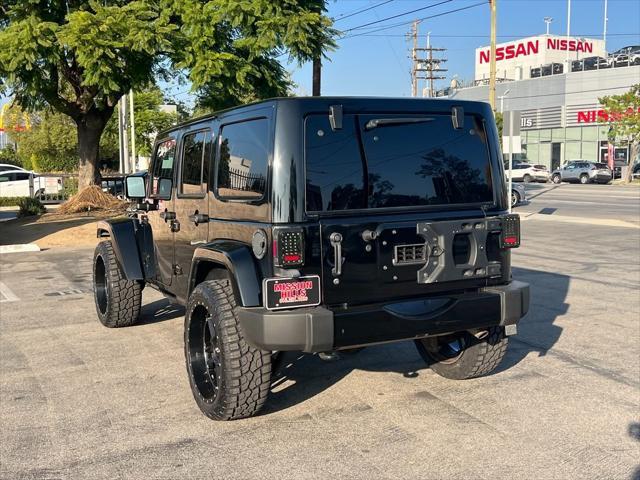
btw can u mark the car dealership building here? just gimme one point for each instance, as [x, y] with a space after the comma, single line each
[555, 83]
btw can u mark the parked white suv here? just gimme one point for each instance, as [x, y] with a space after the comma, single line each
[625, 56]
[6, 166]
[15, 183]
[525, 172]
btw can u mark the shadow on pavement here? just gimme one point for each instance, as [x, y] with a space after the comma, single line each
[302, 376]
[634, 432]
[159, 311]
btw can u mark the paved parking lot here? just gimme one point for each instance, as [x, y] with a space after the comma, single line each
[81, 401]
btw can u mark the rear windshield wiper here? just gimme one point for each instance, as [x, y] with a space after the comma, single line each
[384, 122]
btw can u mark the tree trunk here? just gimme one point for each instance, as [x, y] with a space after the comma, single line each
[317, 76]
[90, 128]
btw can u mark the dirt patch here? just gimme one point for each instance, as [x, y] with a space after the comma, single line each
[53, 230]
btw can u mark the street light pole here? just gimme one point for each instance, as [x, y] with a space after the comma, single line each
[501, 97]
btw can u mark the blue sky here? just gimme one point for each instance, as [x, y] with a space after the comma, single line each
[379, 64]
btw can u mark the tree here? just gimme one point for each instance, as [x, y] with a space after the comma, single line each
[623, 116]
[80, 57]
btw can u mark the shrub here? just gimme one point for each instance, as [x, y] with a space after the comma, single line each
[10, 201]
[30, 206]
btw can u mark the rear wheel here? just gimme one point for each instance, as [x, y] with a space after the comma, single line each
[229, 378]
[461, 355]
[117, 299]
[556, 179]
[584, 179]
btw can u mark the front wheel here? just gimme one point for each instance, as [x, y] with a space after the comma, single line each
[117, 299]
[584, 179]
[527, 178]
[515, 198]
[461, 355]
[556, 179]
[229, 378]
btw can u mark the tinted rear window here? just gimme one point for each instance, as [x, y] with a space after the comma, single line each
[404, 161]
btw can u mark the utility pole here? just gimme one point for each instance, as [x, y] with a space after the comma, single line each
[120, 137]
[492, 57]
[124, 135]
[317, 76]
[133, 133]
[430, 65]
[604, 31]
[568, 29]
[548, 21]
[414, 58]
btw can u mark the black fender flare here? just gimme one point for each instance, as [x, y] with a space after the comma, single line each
[132, 243]
[236, 258]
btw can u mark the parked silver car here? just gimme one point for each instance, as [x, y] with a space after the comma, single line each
[581, 171]
[518, 194]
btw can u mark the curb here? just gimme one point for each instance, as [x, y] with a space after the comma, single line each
[19, 248]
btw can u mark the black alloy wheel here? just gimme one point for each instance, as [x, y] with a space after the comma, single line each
[203, 354]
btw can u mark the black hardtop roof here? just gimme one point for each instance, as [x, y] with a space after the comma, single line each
[358, 104]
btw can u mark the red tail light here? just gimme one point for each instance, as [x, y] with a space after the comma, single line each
[288, 247]
[510, 237]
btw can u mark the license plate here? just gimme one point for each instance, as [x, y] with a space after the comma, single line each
[282, 293]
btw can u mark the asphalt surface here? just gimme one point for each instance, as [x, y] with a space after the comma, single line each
[81, 401]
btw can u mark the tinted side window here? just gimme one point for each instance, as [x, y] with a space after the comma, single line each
[162, 174]
[21, 176]
[194, 171]
[335, 173]
[243, 160]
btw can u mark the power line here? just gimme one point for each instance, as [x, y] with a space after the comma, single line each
[362, 11]
[419, 19]
[585, 35]
[397, 15]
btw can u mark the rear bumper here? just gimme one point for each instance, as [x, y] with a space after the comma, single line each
[320, 329]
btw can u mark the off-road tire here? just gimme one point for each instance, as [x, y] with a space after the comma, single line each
[478, 358]
[117, 299]
[556, 179]
[240, 381]
[584, 179]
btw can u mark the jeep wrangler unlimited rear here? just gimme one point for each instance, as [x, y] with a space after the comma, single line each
[320, 224]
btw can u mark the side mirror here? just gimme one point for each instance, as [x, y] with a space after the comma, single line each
[135, 187]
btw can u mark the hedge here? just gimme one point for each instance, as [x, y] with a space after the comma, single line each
[10, 201]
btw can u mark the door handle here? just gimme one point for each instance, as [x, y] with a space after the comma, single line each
[336, 242]
[199, 218]
[167, 216]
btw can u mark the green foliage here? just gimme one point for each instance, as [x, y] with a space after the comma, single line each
[50, 145]
[623, 113]
[499, 123]
[80, 57]
[10, 201]
[9, 155]
[69, 187]
[623, 117]
[30, 206]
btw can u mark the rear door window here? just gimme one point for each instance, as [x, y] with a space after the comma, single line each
[243, 160]
[387, 161]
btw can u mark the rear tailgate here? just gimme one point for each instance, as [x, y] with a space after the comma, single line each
[401, 201]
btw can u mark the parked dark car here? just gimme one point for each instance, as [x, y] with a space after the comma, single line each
[113, 185]
[320, 224]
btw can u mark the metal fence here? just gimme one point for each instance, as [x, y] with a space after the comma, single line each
[52, 188]
[239, 180]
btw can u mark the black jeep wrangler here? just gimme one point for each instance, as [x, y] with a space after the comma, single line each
[320, 224]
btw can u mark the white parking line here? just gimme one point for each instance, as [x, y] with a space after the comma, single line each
[6, 295]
